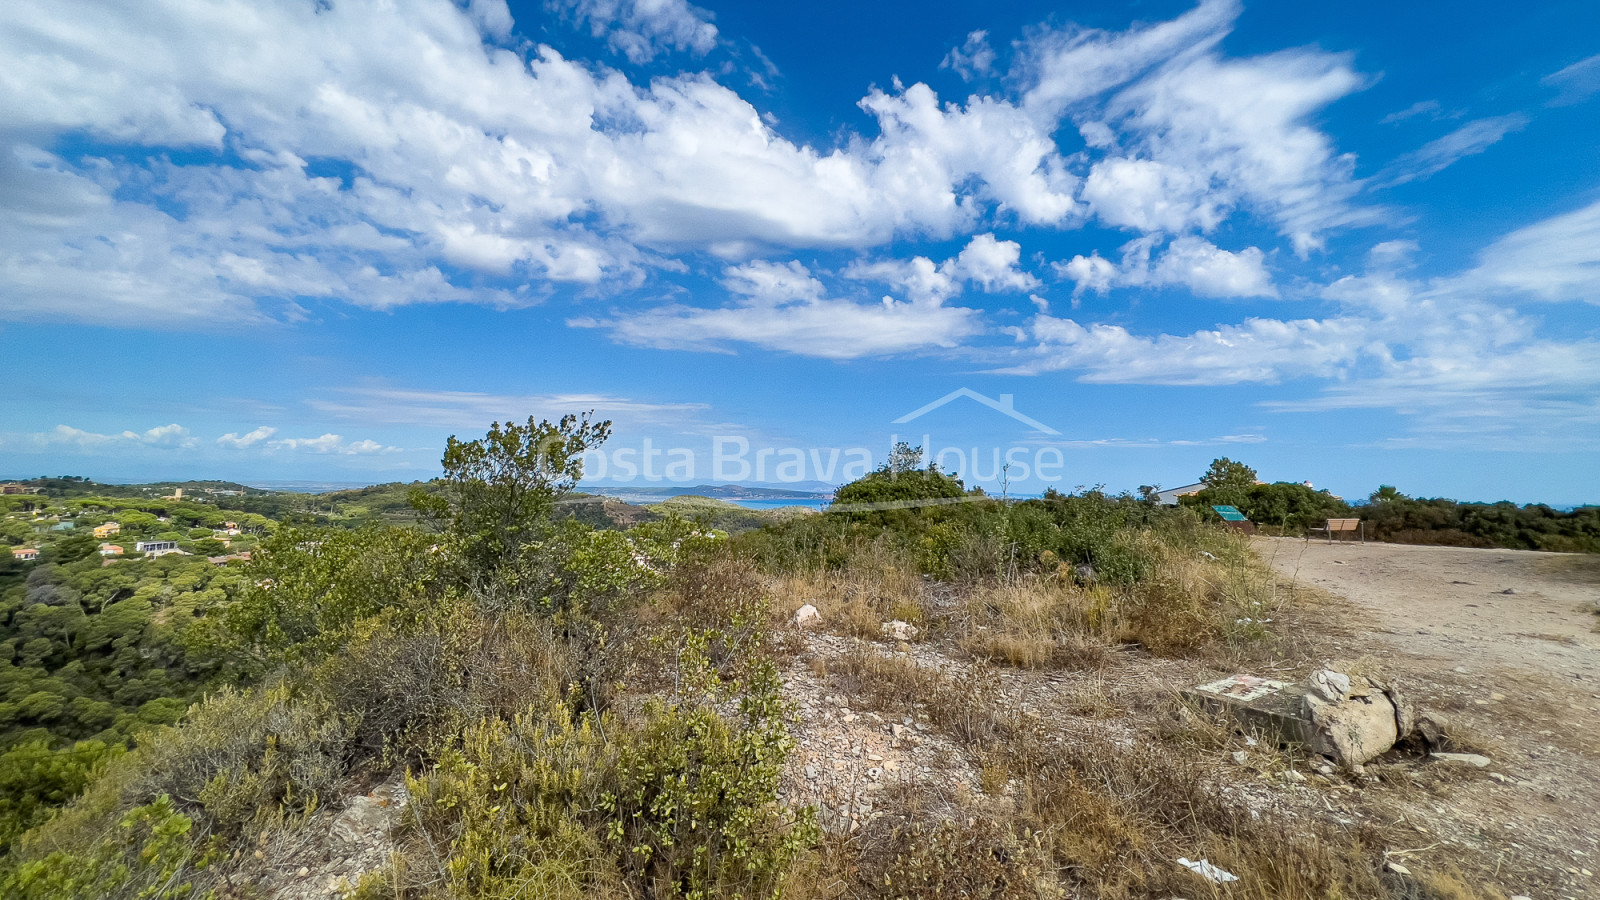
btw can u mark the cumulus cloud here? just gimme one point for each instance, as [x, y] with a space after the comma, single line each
[784, 307]
[1192, 262]
[331, 443]
[164, 437]
[989, 263]
[1256, 350]
[398, 153]
[239, 442]
[1151, 196]
[641, 29]
[1444, 350]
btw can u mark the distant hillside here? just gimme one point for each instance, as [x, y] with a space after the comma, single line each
[713, 491]
[66, 487]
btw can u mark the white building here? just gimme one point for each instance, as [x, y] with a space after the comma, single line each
[157, 548]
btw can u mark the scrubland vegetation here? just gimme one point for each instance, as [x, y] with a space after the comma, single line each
[577, 711]
[1389, 515]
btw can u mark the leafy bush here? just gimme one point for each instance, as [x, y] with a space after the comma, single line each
[151, 854]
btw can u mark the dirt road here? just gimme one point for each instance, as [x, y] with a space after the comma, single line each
[1504, 643]
[1503, 609]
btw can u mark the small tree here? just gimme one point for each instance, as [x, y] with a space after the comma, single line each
[499, 492]
[902, 459]
[1225, 473]
[1386, 493]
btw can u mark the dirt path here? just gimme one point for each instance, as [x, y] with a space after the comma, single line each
[1504, 642]
[1507, 609]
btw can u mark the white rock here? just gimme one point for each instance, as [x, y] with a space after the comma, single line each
[1354, 731]
[1472, 759]
[900, 631]
[1333, 686]
[807, 615]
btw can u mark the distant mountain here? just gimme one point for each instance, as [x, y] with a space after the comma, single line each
[313, 487]
[715, 491]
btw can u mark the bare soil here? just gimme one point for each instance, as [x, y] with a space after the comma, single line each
[1516, 675]
[1504, 642]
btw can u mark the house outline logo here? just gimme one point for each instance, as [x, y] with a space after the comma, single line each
[1004, 405]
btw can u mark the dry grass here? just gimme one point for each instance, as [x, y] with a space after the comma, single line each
[1104, 814]
[1192, 603]
[876, 587]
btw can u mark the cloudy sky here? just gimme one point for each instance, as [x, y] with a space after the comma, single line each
[308, 239]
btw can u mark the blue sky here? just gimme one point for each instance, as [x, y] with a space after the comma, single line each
[1349, 243]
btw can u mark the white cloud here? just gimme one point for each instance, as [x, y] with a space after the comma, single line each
[1194, 122]
[237, 441]
[985, 261]
[927, 151]
[1437, 155]
[331, 443]
[1444, 351]
[470, 409]
[1213, 272]
[390, 153]
[784, 307]
[1557, 259]
[1092, 273]
[162, 437]
[993, 265]
[1152, 196]
[1256, 350]
[1429, 108]
[973, 59]
[1575, 83]
[641, 29]
[1192, 262]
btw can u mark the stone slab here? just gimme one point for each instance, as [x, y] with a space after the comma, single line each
[1263, 706]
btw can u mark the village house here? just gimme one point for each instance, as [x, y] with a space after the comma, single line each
[25, 554]
[157, 548]
[11, 487]
[107, 530]
[111, 550]
[1169, 497]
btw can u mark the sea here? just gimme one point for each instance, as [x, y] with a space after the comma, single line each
[774, 504]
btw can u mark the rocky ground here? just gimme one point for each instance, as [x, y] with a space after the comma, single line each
[1516, 684]
[1517, 676]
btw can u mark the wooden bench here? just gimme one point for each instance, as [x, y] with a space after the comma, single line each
[1341, 526]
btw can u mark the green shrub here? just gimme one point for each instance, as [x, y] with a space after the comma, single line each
[152, 854]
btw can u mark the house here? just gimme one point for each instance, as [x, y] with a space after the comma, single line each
[1169, 497]
[111, 550]
[107, 530]
[231, 527]
[157, 548]
[26, 554]
[11, 487]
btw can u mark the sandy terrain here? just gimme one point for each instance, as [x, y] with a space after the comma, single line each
[1532, 612]
[1503, 642]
